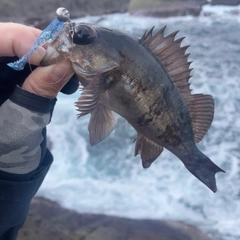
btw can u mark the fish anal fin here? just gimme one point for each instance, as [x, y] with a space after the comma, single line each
[101, 124]
[201, 108]
[148, 150]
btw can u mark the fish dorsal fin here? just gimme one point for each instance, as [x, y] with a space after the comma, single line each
[102, 120]
[148, 150]
[173, 57]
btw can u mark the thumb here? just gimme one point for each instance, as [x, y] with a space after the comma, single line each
[48, 81]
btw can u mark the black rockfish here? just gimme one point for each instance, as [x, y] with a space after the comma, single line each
[146, 82]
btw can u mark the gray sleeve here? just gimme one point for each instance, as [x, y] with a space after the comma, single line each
[21, 136]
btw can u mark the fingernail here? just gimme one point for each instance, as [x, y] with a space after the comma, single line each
[41, 52]
[58, 72]
[37, 56]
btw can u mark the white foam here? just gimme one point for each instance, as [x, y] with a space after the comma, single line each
[107, 178]
[220, 9]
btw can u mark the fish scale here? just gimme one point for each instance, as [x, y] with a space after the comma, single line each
[146, 82]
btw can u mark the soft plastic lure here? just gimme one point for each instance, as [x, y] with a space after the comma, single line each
[48, 34]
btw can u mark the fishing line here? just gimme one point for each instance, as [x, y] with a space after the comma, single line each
[64, 77]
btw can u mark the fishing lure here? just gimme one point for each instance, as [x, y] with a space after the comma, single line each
[48, 34]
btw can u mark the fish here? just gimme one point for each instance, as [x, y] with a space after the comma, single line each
[145, 81]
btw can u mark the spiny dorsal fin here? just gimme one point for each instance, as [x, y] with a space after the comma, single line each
[171, 55]
[148, 150]
[175, 60]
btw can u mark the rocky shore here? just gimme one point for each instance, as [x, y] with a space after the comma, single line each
[48, 220]
[39, 13]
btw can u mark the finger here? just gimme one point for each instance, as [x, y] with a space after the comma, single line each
[37, 56]
[48, 81]
[17, 39]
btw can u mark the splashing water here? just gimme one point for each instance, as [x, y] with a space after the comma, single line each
[107, 178]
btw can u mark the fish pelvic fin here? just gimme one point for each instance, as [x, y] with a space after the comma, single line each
[102, 121]
[172, 56]
[148, 150]
[204, 170]
[101, 124]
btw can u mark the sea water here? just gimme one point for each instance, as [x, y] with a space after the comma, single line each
[108, 179]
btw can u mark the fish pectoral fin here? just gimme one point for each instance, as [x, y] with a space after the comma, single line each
[89, 97]
[201, 108]
[101, 124]
[148, 150]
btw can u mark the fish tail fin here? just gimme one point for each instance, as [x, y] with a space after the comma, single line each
[204, 169]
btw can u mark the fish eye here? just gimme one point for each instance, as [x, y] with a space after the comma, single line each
[83, 35]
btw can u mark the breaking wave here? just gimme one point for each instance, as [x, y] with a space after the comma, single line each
[107, 178]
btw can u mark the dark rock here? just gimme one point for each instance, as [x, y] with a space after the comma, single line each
[40, 13]
[37, 12]
[10, 8]
[162, 8]
[47, 220]
[225, 2]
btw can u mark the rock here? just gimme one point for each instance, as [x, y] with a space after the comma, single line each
[40, 13]
[48, 220]
[48, 7]
[30, 12]
[225, 2]
[162, 8]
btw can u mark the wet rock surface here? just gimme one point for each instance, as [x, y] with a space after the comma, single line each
[48, 220]
[29, 8]
[162, 8]
[40, 13]
[225, 2]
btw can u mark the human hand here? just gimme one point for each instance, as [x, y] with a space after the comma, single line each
[47, 81]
